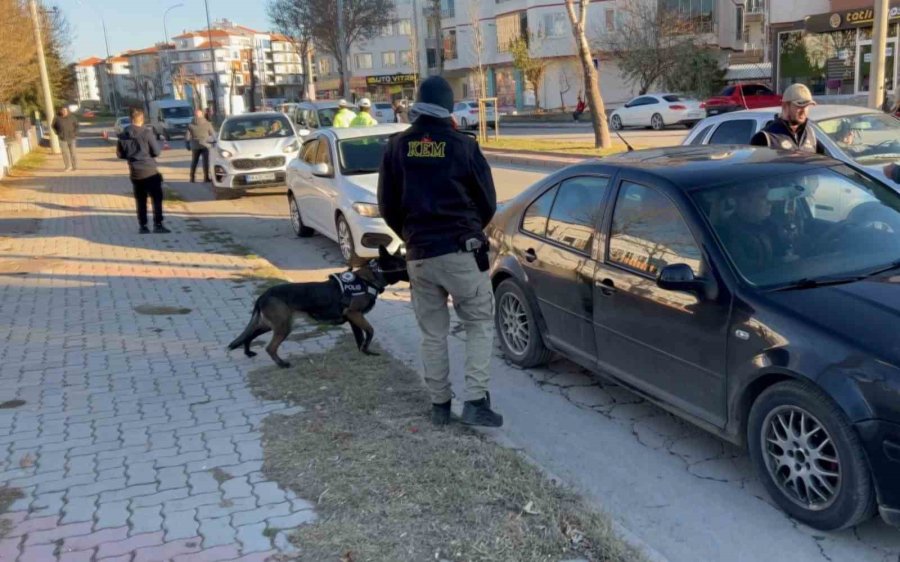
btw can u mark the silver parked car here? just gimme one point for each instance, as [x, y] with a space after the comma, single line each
[857, 135]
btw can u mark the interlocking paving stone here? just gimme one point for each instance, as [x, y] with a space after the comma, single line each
[127, 413]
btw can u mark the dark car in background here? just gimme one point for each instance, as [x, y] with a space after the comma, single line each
[755, 293]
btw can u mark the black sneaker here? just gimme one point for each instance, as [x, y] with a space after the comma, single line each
[440, 413]
[144, 230]
[478, 412]
[160, 229]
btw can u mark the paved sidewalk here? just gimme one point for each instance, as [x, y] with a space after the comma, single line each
[127, 428]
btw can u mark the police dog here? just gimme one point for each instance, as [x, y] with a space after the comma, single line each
[344, 297]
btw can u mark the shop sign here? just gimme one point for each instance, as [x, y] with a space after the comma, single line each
[848, 19]
[390, 80]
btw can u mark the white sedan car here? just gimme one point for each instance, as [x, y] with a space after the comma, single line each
[465, 113]
[332, 189]
[252, 150]
[657, 111]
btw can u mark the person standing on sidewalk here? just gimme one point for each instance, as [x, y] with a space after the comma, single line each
[436, 191]
[65, 125]
[199, 134]
[138, 145]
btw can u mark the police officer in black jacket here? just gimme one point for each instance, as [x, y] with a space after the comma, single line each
[790, 130]
[435, 190]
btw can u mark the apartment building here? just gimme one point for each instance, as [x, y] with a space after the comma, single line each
[88, 80]
[114, 81]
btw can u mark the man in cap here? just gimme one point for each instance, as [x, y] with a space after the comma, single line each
[436, 191]
[364, 117]
[789, 131]
[344, 116]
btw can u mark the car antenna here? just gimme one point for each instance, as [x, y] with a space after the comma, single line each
[630, 148]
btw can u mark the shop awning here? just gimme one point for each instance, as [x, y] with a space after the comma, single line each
[754, 71]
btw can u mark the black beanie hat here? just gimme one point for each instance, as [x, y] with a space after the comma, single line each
[437, 91]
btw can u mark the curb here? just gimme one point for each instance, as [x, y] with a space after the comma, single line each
[549, 161]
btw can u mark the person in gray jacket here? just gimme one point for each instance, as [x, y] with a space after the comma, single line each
[199, 133]
[65, 126]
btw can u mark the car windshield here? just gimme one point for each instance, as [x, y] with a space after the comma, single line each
[256, 127]
[176, 112]
[867, 137]
[362, 155]
[819, 226]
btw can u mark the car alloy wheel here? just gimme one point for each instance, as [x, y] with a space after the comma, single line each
[345, 241]
[801, 457]
[465, 123]
[809, 456]
[656, 122]
[616, 123]
[517, 323]
[300, 229]
[514, 323]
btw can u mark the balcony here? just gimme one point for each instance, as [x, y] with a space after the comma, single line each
[749, 56]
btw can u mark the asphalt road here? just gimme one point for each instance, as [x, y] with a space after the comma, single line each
[687, 494]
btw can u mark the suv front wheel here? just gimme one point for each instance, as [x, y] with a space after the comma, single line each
[809, 457]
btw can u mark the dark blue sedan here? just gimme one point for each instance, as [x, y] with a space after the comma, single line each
[755, 293]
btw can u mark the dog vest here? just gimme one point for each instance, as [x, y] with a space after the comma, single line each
[352, 287]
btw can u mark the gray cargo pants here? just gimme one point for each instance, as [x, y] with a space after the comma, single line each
[456, 275]
[68, 149]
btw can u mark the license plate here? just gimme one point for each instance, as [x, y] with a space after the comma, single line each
[257, 178]
[712, 111]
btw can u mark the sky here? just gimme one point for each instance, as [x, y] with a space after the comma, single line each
[138, 24]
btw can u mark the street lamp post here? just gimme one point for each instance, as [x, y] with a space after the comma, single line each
[212, 55]
[45, 78]
[113, 100]
[166, 43]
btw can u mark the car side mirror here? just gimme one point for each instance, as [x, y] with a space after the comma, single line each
[680, 277]
[321, 170]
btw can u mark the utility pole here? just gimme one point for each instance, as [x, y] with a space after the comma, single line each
[252, 81]
[345, 83]
[45, 78]
[879, 46]
[212, 54]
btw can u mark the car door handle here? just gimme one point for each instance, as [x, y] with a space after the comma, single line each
[607, 287]
[530, 255]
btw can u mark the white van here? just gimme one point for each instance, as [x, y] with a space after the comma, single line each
[170, 118]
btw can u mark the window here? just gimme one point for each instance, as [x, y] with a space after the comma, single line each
[389, 58]
[449, 44]
[645, 100]
[362, 60]
[739, 23]
[404, 27]
[739, 131]
[698, 16]
[555, 25]
[577, 209]
[325, 66]
[648, 233]
[323, 155]
[308, 152]
[610, 19]
[698, 140]
[431, 56]
[406, 57]
[757, 90]
[535, 218]
[387, 30]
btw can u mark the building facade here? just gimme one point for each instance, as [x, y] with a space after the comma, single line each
[88, 80]
[114, 75]
[827, 45]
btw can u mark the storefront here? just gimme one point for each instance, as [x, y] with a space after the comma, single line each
[832, 53]
[390, 87]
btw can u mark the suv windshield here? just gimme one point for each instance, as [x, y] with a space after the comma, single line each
[867, 137]
[362, 155]
[256, 127]
[819, 226]
[179, 112]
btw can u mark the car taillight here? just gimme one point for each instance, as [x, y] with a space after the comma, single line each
[703, 105]
[473, 111]
[677, 107]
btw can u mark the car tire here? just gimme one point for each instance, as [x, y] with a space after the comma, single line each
[345, 242]
[814, 428]
[300, 229]
[616, 123]
[464, 124]
[657, 123]
[517, 327]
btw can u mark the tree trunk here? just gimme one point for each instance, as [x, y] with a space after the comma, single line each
[591, 79]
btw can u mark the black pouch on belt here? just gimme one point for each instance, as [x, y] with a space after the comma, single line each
[479, 247]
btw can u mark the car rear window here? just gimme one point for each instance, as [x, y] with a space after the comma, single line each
[676, 98]
[739, 131]
[383, 105]
[701, 135]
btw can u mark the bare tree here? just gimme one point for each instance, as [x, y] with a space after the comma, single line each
[532, 67]
[17, 52]
[565, 84]
[591, 78]
[362, 20]
[287, 18]
[478, 47]
[435, 14]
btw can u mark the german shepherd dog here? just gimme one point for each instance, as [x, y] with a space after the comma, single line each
[333, 301]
